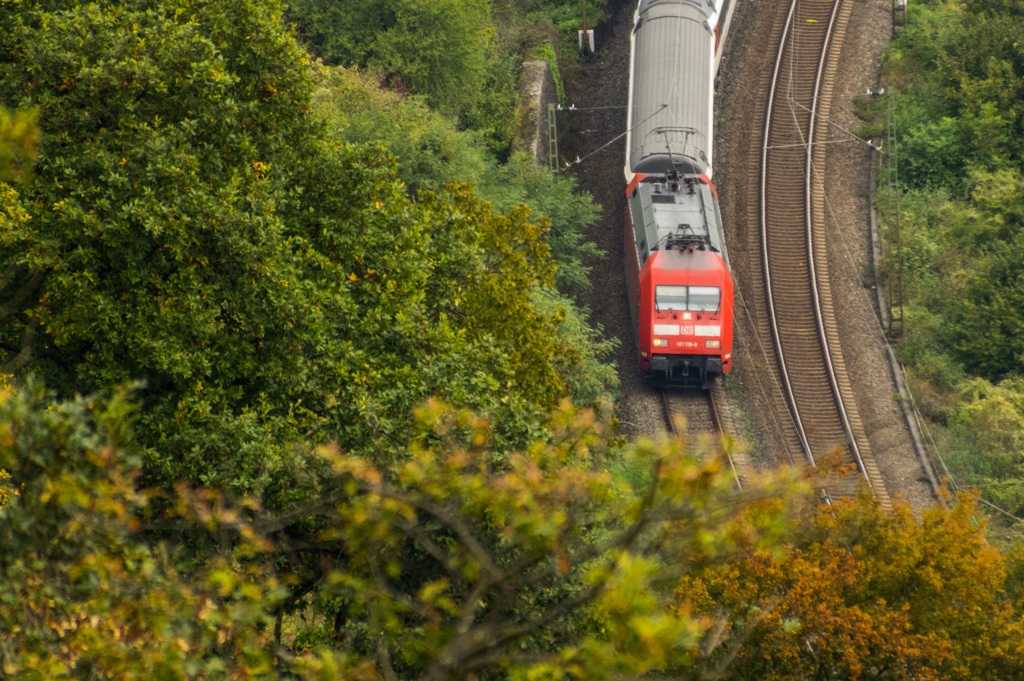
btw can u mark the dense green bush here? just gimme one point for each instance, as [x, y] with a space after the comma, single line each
[428, 147]
[448, 51]
[431, 152]
[192, 225]
[957, 71]
[463, 57]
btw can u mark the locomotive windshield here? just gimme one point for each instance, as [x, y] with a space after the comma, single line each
[704, 298]
[687, 298]
[670, 298]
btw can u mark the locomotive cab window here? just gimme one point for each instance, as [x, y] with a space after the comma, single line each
[704, 298]
[687, 298]
[670, 298]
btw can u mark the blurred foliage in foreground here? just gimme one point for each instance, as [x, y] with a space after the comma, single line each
[574, 558]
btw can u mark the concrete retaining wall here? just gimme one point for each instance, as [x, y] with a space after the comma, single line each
[536, 91]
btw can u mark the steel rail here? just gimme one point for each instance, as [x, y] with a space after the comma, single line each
[798, 297]
[716, 421]
[809, 226]
[776, 337]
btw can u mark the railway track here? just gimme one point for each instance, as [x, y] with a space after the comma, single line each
[800, 315]
[703, 412]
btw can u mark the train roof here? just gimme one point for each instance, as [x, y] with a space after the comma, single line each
[707, 262]
[672, 87]
[711, 8]
[677, 212]
[696, 267]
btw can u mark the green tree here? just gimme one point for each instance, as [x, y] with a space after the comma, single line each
[445, 50]
[431, 153]
[430, 150]
[588, 370]
[19, 138]
[437, 48]
[959, 68]
[193, 227]
[19, 141]
[983, 65]
[523, 181]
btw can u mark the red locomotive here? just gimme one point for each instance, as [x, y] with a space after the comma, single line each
[680, 288]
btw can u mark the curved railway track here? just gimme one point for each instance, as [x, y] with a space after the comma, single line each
[800, 311]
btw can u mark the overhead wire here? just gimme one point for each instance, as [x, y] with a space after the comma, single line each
[612, 140]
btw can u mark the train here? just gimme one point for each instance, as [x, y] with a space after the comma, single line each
[680, 286]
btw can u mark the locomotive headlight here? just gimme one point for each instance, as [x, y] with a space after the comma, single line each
[661, 342]
[713, 344]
